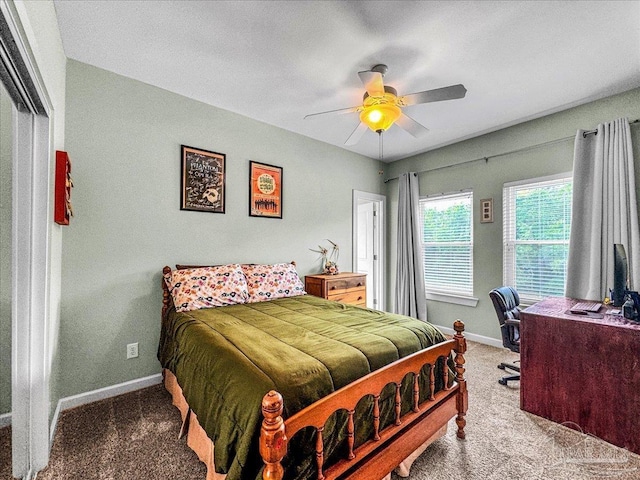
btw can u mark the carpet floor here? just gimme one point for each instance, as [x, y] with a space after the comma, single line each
[135, 436]
[5, 453]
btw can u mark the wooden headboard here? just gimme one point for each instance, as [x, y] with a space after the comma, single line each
[167, 301]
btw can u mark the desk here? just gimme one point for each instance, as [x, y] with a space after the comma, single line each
[582, 370]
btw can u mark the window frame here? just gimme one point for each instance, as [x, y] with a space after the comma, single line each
[462, 296]
[509, 221]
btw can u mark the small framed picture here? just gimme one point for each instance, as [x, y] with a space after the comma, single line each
[202, 180]
[265, 190]
[486, 210]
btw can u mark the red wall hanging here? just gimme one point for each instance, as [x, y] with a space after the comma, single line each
[62, 208]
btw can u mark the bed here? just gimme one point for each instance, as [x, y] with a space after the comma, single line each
[277, 384]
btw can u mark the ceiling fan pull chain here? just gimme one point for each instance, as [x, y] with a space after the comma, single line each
[380, 145]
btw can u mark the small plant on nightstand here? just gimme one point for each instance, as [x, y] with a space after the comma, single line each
[329, 258]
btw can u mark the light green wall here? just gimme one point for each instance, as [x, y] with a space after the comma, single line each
[487, 179]
[5, 251]
[124, 138]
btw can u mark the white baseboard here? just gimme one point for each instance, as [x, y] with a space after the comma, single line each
[100, 394]
[493, 342]
[5, 419]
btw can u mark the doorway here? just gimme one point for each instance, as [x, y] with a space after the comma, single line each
[29, 250]
[368, 244]
[5, 265]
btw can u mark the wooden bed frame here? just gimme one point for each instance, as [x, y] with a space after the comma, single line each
[375, 458]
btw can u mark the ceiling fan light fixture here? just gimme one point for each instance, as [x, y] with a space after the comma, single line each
[381, 111]
[380, 117]
[381, 106]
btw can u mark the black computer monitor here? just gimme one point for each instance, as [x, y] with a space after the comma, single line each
[620, 275]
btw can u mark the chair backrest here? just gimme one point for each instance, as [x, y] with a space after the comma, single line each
[506, 301]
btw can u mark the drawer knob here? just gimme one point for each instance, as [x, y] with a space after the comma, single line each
[333, 288]
[359, 284]
[359, 298]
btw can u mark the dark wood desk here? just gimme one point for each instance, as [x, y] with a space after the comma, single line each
[581, 370]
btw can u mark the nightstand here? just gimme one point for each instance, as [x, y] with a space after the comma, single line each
[344, 287]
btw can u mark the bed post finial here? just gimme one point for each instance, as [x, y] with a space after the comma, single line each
[462, 401]
[273, 438]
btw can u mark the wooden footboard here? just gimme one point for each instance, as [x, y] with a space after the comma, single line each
[375, 458]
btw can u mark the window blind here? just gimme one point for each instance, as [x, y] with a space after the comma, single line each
[537, 224]
[447, 243]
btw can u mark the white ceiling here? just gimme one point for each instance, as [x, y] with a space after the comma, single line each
[277, 61]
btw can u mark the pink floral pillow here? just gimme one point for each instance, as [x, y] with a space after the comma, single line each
[205, 287]
[266, 282]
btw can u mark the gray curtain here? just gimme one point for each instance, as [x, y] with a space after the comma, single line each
[410, 292]
[604, 211]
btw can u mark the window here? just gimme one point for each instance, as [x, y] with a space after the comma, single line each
[447, 243]
[537, 220]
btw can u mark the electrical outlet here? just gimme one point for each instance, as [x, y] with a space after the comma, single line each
[132, 350]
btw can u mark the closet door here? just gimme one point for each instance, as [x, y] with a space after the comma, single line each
[30, 149]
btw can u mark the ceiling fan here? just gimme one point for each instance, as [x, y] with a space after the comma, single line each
[381, 105]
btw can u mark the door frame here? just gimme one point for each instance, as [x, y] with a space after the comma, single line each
[380, 202]
[30, 257]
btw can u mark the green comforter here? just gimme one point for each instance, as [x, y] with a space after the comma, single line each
[227, 358]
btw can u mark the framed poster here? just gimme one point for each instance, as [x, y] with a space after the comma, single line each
[265, 190]
[203, 180]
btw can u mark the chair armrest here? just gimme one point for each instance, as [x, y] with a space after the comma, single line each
[512, 321]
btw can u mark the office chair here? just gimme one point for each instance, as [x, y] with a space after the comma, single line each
[506, 301]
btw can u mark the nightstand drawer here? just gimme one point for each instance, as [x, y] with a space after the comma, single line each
[343, 285]
[356, 296]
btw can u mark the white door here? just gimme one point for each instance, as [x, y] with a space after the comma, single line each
[368, 244]
[365, 258]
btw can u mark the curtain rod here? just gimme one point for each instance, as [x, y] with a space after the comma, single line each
[518, 150]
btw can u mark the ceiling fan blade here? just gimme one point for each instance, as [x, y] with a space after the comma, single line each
[372, 82]
[357, 134]
[436, 95]
[410, 125]
[340, 111]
